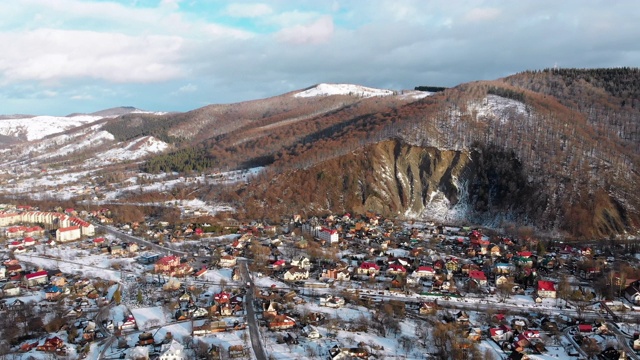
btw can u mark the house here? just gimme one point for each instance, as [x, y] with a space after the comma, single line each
[132, 247]
[632, 294]
[501, 333]
[428, 307]
[128, 323]
[52, 292]
[546, 289]
[301, 261]
[227, 261]
[51, 344]
[311, 332]
[332, 301]
[367, 268]
[10, 290]
[328, 235]
[222, 297]
[503, 268]
[36, 278]
[236, 351]
[336, 274]
[3, 273]
[425, 272]
[166, 264]
[117, 250]
[97, 242]
[396, 269]
[585, 328]
[295, 273]
[281, 322]
[172, 351]
[478, 276]
[201, 272]
[70, 233]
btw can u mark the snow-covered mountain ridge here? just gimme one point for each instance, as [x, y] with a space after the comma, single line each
[343, 89]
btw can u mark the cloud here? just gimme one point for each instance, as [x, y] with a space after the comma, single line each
[81, 97]
[181, 55]
[52, 55]
[248, 10]
[189, 88]
[318, 32]
[482, 14]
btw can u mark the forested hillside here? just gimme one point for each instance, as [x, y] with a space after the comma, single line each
[568, 144]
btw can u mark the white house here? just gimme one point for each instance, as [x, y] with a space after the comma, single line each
[295, 273]
[172, 351]
[10, 290]
[68, 234]
[227, 261]
[301, 261]
[3, 272]
[36, 278]
[546, 289]
[328, 235]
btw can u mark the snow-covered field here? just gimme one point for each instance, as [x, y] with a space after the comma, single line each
[132, 150]
[40, 126]
[343, 89]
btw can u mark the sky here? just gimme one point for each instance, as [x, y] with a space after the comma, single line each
[70, 56]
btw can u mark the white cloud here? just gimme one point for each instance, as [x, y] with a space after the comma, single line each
[82, 97]
[248, 10]
[51, 55]
[188, 88]
[320, 31]
[482, 14]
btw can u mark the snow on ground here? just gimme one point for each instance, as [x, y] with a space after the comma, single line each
[343, 89]
[69, 259]
[498, 107]
[216, 275]
[40, 126]
[149, 317]
[132, 150]
[414, 94]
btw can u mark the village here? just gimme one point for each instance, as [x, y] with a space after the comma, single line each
[77, 285]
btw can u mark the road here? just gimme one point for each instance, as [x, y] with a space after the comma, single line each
[138, 240]
[254, 330]
[623, 340]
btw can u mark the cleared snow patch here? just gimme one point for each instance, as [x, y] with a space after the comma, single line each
[133, 150]
[38, 127]
[414, 94]
[343, 89]
[494, 106]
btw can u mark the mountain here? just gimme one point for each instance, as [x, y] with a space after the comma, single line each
[558, 150]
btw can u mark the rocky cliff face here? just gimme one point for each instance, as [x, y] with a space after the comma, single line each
[410, 180]
[484, 185]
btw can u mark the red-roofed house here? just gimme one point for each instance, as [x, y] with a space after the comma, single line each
[29, 241]
[222, 297]
[546, 289]
[166, 264]
[36, 278]
[227, 261]
[425, 271]
[478, 276]
[367, 268]
[396, 269]
[328, 235]
[585, 328]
